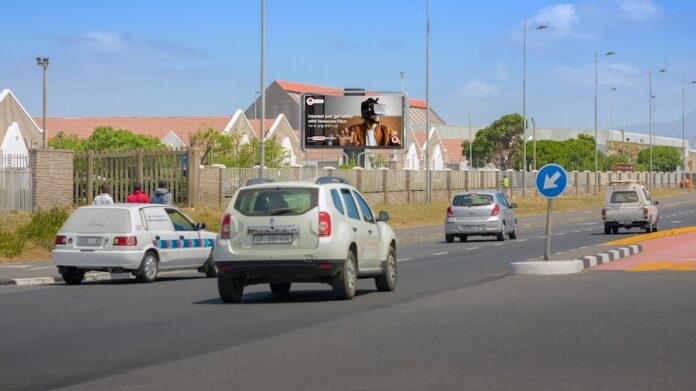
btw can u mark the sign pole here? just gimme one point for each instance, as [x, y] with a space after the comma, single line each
[547, 244]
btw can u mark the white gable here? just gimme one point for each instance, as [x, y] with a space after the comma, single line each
[172, 140]
[13, 145]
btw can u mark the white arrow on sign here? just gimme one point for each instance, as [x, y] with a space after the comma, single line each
[550, 182]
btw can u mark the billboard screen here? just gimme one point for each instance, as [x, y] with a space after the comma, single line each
[372, 121]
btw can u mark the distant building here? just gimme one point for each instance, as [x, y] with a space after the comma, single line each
[18, 132]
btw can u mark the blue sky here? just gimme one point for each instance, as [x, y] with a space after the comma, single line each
[202, 58]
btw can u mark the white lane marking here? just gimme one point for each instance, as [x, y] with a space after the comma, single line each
[403, 259]
[575, 232]
[587, 223]
[16, 266]
[41, 268]
[676, 222]
[472, 248]
[561, 234]
[589, 229]
[521, 240]
[583, 247]
[440, 253]
[541, 237]
[499, 244]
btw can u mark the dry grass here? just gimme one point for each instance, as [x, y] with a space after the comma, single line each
[210, 216]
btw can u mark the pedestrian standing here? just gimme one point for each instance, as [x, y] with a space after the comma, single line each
[138, 196]
[104, 198]
[162, 194]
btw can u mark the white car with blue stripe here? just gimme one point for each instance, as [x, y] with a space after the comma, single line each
[141, 239]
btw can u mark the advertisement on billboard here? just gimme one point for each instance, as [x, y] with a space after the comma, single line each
[372, 121]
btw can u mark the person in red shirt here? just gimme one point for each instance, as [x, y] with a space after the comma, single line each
[138, 196]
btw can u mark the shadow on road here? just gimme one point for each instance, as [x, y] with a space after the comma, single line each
[308, 296]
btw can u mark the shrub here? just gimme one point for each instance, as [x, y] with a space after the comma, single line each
[11, 245]
[43, 227]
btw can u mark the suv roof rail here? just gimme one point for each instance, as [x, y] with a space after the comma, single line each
[258, 181]
[330, 179]
[623, 181]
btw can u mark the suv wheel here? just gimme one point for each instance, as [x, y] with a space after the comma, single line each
[386, 282]
[73, 276]
[463, 238]
[345, 282]
[280, 289]
[655, 227]
[449, 238]
[615, 229]
[607, 229]
[148, 268]
[648, 228]
[230, 289]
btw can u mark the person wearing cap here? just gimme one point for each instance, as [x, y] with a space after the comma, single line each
[138, 196]
[370, 133]
[104, 198]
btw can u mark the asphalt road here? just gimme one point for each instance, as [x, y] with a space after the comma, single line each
[456, 321]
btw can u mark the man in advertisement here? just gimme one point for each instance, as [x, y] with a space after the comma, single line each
[370, 133]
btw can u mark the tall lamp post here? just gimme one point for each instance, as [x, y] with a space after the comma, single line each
[651, 126]
[262, 133]
[427, 102]
[534, 166]
[596, 149]
[524, 103]
[402, 74]
[612, 89]
[43, 63]
[471, 143]
[684, 152]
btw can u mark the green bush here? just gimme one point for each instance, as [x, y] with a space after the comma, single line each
[11, 245]
[43, 227]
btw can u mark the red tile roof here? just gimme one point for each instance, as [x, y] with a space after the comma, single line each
[300, 87]
[158, 127]
[418, 103]
[256, 125]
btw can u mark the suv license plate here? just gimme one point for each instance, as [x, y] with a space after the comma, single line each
[271, 239]
[89, 241]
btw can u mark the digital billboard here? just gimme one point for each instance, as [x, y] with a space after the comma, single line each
[372, 121]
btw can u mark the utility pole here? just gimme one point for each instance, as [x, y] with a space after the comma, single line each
[427, 102]
[262, 133]
[534, 166]
[471, 143]
[43, 63]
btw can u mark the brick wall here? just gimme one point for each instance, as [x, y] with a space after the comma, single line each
[52, 178]
[211, 193]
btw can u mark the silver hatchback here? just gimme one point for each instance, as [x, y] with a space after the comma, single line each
[480, 213]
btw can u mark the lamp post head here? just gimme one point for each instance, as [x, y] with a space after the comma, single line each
[402, 73]
[662, 70]
[542, 27]
[693, 82]
[42, 61]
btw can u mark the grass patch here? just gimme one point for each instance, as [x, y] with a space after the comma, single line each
[11, 245]
[210, 216]
[43, 227]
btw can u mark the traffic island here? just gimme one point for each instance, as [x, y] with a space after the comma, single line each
[546, 268]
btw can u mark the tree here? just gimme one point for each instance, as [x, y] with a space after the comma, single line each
[497, 143]
[214, 146]
[104, 138]
[64, 141]
[664, 158]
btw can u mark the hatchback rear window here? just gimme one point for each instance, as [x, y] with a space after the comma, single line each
[98, 220]
[624, 197]
[276, 201]
[473, 200]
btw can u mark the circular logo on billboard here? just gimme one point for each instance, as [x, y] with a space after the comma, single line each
[310, 101]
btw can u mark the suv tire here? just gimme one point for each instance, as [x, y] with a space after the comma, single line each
[449, 238]
[607, 229]
[230, 289]
[345, 281]
[149, 267]
[386, 282]
[280, 289]
[463, 238]
[648, 228]
[73, 276]
[615, 229]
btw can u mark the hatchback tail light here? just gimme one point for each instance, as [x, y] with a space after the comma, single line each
[450, 212]
[225, 227]
[60, 239]
[496, 210]
[324, 224]
[125, 241]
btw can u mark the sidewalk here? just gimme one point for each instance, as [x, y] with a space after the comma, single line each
[670, 253]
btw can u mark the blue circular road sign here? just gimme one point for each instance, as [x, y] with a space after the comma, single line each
[551, 180]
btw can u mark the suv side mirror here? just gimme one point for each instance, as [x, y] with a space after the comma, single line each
[513, 205]
[200, 226]
[383, 216]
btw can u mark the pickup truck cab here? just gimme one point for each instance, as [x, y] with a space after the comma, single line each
[628, 204]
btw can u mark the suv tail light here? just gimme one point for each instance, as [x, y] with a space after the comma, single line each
[225, 227]
[125, 241]
[496, 210]
[324, 224]
[646, 212]
[60, 239]
[450, 213]
[604, 214]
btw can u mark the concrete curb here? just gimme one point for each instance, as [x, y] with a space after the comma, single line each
[50, 280]
[611, 255]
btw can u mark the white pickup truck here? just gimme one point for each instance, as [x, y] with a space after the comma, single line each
[627, 204]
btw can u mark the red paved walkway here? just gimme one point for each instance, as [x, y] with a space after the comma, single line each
[674, 253]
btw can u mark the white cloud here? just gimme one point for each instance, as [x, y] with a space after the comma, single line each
[639, 10]
[478, 89]
[617, 74]
[103, 41]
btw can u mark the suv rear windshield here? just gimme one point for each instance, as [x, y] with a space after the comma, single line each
[473, 200]
[291, 201]
[624, 197]
[98, 220]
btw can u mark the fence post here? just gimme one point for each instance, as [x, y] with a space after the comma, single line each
[449, 184]
[90, 177]
[408, 186]
[193, 176]
[385, 185]
[139, 165]
[466, 178]
[577, 183]
[359, 180]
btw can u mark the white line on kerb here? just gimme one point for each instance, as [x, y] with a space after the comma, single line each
[40, 268]
[441, 253]
[16, 266]
[403, 259]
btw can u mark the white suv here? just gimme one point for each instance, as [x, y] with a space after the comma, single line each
[318, 231]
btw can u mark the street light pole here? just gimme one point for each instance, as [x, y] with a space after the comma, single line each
[611, 117]
[534, 166]
[684, 152]
[651, 127]
[402, 74]
[471, 143]
[262, 133]
[596, 149]
[43, 62]
[524, 103]
[427, 102]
